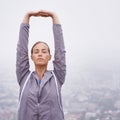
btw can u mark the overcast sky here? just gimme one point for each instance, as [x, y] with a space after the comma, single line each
[91, 32]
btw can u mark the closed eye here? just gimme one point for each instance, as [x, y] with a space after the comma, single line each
[44, 51]
[36, 51]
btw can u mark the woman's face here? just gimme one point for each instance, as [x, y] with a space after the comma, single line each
[40, 54]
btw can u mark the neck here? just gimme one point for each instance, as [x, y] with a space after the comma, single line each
[40, 70]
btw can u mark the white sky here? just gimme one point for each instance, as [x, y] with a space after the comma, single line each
[91, 32]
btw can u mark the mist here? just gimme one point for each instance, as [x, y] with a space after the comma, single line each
[91, 33]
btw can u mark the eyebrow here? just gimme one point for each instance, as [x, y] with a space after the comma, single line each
[42, 49]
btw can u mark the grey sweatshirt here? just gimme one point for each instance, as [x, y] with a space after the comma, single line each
[40, 102]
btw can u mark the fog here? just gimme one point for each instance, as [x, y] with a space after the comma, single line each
[91, 33]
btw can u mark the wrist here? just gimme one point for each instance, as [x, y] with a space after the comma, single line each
[26, 18]
[55, 19]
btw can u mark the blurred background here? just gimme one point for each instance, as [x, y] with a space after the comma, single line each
[91, 32]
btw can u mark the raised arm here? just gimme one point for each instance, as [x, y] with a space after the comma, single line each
[22, 61]
[59, 57]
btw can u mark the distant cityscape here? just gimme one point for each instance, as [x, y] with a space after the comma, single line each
[90, 97]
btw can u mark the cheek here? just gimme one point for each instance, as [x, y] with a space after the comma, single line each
[47, 57]
[33, 57]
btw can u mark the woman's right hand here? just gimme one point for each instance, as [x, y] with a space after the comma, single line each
[30, 14]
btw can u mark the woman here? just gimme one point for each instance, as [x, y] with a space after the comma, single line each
[41, 97]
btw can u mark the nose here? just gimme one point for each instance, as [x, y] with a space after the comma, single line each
[40, 53]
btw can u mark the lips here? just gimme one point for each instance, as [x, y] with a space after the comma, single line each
[40, 59]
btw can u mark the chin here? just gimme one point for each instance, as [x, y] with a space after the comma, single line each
[41, 64]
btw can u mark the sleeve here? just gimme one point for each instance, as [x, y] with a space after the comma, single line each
[59, 62]
[22, 61]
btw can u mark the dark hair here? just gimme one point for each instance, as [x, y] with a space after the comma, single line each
[38, 43]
